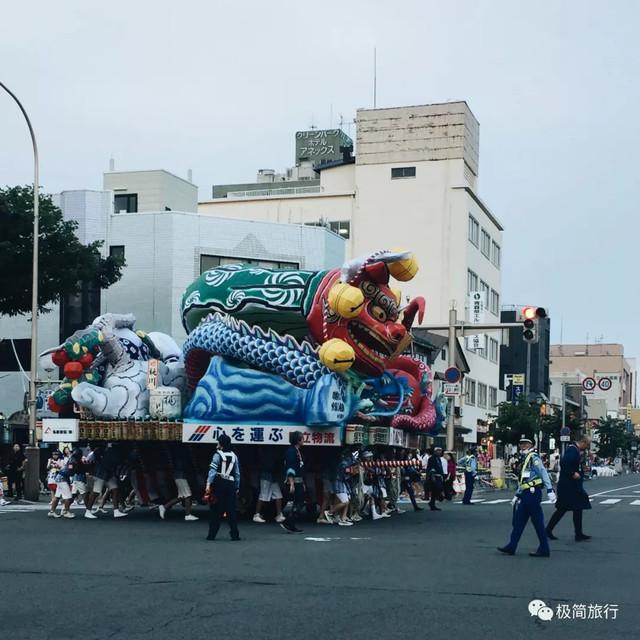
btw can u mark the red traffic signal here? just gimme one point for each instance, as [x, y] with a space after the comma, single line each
[530, 316]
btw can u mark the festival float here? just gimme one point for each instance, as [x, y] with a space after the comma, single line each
[267, 352]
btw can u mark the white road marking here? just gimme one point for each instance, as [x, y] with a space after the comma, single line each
[630, 486]
[636, 503]
[321, 539]
[497, 501]
[475, 501]
[611, 501]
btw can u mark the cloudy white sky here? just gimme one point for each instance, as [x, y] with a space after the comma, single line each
[221, 87]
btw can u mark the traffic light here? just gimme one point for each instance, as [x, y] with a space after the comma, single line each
[530, 318]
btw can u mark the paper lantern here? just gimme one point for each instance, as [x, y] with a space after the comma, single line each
[346, 300]
[337, 355]
[405, 269]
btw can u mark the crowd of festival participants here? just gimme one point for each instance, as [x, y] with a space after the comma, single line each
[287, 485]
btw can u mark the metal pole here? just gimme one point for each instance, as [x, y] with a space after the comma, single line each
[34, 286]
[527, 384]
[562, 444]
[452, 363]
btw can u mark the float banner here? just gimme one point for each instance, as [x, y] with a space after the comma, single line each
[209, 432]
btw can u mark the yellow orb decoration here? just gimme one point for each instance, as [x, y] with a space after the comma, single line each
[404, 270]
[337, 355]
[345, 300]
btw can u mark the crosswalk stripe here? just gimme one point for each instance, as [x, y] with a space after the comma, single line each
[496, 501]
[635, 503]
[611, 501]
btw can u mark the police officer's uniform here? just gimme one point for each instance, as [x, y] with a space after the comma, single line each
[224, 477]
[470, 471]
[527, 502]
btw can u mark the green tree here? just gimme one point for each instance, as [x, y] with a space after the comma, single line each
[613, 435]
[516, 420]
[64, 262]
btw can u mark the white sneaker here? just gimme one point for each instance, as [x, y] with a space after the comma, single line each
[356, 517]
[162, 510]
[329, 516]
[4, 503]
[89, 515]
[258, 518]
[53, 514]
[345, 523]
[399, 510]
[323, 520]
[191, 518]
[68, 514]
[385, 515]
[280, 518]
[119, 514]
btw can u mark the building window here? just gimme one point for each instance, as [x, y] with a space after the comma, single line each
[495, 255]
[116, 251]
[472, 281]
[482, 395]
[403, 172]
[211, 262]
[125, 203]
[485, 245]
[495, 302]
[341, 227]
[474, 230]
[493, 350]
[443, 355]
[469, 391]
[493, 398]
[484, 287]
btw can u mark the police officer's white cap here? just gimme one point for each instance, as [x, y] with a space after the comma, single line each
[525, 439]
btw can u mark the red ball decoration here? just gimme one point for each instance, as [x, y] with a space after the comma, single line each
[86, 360]
[53, 405]
[73, 370]
[60, 358]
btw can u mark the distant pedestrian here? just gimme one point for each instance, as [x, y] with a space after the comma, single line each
[294, 465]
[15, 472]
[53, 464]
[571, 493]
[270, 475]
[64, 477]
[527, 501]
[435, 478]
[184, 495]
[470, 466]
[450, 478]
[223, 484]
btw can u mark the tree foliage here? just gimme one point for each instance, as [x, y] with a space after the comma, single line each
[64, 262]
[613, 436]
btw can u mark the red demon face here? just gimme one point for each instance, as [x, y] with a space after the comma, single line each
[376, 334]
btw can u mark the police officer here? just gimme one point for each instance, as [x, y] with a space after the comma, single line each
[470, 466]
[435, 478]
[223, 484]
[526, 502]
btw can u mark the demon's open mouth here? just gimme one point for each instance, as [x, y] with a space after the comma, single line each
[369, 342]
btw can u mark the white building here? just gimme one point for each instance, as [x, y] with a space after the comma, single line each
[165, 250]
[412, 184]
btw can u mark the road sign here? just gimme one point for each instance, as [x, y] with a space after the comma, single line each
[452, 389]
[452, 375]
[604, 384]
[565, 438]
[588, 385]
[518, 379]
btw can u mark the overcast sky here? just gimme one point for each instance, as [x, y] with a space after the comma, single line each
[221, 87]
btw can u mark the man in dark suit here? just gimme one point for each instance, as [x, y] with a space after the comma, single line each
[571, 493]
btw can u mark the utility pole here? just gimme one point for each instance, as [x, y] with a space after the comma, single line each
[527, 377]
[32, 484]
[452, 363]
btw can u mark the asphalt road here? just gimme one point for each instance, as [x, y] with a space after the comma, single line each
[421, 575]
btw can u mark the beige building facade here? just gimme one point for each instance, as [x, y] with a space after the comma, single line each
[614, 374]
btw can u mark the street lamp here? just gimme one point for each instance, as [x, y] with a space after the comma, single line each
[34, 304]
